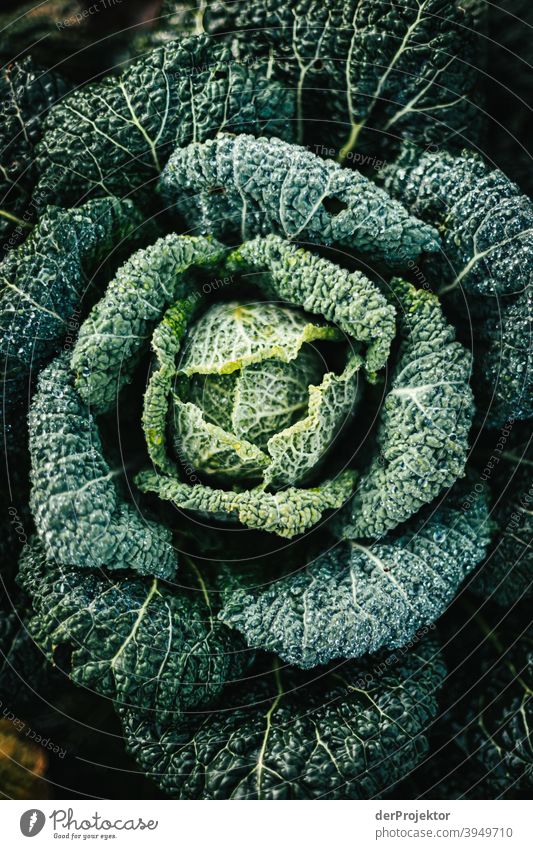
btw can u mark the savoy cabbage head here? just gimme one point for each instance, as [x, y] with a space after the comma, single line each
[251, 401]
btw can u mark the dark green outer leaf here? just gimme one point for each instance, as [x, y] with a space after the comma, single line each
[78, 514]
[423, 425]
[503, 369]
[26, 94]
[238, 187]
[138, 641]
[487, 227]
[42, 286]
[394, 67]
[485, 220]
[351, 732]
[356, 599]
[114, 137]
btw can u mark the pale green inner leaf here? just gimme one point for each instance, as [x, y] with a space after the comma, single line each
[230, 336]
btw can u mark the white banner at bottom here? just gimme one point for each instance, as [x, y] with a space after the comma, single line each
[241, 825]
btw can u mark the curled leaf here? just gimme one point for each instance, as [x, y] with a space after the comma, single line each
[78, 513]
[236, 187]
[487, 228]
[117, 330]
[287, 513]
[356, 599]
[350, 300]
[423, 426]
[43, 283]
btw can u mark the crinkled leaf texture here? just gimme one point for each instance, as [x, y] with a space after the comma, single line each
[350, 732]
[114, 136]
[486, 221]
[233, 335]
[166, 342]
[229, 339]
[236, 187]
[354, 598]
[287, 513]
[487, 227]
[135, 640]
[226, 340]
[423, 424]
[351, 301]
[26, 94]
[503, 368]
[118, 328]
[370, 70]
[234, 341]
[78, 513]
[155, 284]
[42, 286]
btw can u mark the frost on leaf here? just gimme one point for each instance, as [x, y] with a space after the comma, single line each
[79, 516]
[254, 398]
[352, 302]
[166, 342]
[287, 513]
[485, 220]
[237, 187]
[118, 328]
[26, 94]
[43, 284]
[356, 599]
[485, 266]
[423, 426]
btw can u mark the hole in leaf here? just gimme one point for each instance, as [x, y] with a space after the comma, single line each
[334, 205]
